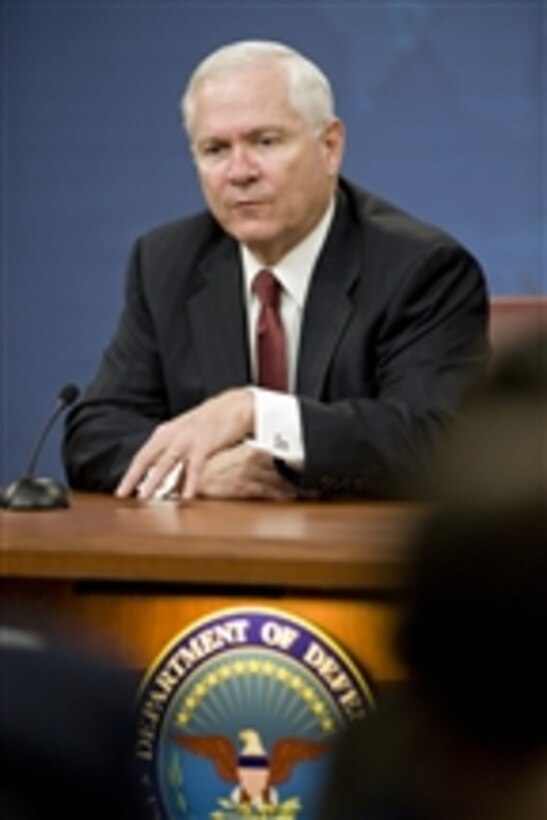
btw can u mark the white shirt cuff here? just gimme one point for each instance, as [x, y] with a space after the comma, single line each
[278, 427]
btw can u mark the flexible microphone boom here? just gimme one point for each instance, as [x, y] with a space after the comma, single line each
[34, 493]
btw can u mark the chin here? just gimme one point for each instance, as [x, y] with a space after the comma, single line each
[252, 238]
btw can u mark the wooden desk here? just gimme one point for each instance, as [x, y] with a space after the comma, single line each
[133, 575]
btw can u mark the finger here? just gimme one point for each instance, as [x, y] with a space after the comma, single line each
[143, 460]
[279, 487]
[267, 492]
[268, 475]
[168, 488]
[133, 475]
[159, 474]
[192, 473]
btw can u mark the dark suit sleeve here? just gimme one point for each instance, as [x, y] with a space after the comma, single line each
[125, 402]
[428, 347]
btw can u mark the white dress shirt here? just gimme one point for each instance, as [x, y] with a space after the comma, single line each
[278, 428]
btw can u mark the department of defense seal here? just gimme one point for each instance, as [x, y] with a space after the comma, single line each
[237, 716]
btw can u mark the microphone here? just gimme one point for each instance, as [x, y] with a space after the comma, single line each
[34, 493]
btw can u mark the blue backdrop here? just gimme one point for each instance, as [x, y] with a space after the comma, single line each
[444, 102]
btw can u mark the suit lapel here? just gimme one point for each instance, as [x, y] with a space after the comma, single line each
[218, 321]
[329, 306]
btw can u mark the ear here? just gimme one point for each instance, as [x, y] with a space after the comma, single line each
[333, 141]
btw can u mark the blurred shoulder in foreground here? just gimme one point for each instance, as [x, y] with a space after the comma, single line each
[66, 726]
[467, 738]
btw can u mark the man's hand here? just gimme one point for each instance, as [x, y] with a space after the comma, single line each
[243, 471]
[190, 439]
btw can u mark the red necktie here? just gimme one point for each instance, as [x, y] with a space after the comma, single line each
[271, 345]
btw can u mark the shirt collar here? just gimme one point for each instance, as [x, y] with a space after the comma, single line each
[295, 269]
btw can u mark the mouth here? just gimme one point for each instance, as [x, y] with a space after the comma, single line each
[247, 203]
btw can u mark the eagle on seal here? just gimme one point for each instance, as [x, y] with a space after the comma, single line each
[254, 772]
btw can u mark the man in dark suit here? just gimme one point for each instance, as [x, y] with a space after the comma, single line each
[383, 318]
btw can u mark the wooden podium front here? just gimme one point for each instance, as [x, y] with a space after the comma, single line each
[132, 575]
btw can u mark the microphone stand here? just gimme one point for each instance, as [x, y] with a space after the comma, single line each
[33, 492]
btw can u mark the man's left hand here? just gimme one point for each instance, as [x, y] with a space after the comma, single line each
[190, 439]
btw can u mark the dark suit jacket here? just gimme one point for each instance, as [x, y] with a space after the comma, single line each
[393, 329]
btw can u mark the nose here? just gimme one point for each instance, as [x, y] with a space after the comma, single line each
[242, 167]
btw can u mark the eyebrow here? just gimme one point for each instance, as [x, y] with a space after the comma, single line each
[250, 134]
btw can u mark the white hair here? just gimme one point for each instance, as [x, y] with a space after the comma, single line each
[310, 93]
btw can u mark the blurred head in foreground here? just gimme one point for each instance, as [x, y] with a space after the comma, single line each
[468, 737]
[66, 727]
[475, 625]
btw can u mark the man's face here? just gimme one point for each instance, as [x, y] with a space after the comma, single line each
[265, 176]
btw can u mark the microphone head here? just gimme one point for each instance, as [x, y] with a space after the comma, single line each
[68, 394]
